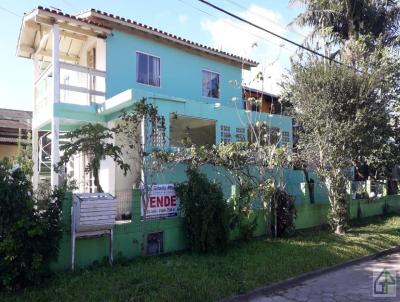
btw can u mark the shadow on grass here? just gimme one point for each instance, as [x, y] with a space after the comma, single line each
[192, 277]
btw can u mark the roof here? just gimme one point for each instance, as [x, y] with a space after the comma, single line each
[102, 23]
[115, 21]
[34, 37]
[15, 119]
[259, 92]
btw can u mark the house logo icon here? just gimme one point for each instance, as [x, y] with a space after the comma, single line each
[384, 283]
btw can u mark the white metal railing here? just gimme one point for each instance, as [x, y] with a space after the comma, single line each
[81, 85]
[78, 85]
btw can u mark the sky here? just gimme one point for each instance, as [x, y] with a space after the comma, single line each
[186, 18]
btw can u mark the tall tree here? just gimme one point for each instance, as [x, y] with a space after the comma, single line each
[347, 22]
[345, 117]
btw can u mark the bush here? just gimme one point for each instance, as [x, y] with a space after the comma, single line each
[206, 214]
[29, 234]
[242, 217]
[283, 208]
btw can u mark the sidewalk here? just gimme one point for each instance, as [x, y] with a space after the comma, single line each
[351, 283]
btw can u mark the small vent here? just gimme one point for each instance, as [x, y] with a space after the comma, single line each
[155, 243]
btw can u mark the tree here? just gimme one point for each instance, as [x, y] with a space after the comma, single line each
[24, 153]
[30, 228]
[93, 140]
[349, 22]
[345, 117]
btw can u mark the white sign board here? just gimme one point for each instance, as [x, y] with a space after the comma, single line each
[162, 202]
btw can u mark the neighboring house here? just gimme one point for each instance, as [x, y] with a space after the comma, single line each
[268, 103]
[12, 124]
[91, 66]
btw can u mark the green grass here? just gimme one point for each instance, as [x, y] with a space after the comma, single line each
[185, 277]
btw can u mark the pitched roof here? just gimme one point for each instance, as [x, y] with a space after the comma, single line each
[15, 119]
[111, 20]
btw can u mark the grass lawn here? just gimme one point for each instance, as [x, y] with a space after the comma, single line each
[185, 277]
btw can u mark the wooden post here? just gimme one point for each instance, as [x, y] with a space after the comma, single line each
[55, 123]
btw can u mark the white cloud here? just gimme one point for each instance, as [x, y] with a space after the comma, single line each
[183, 19]
[238, 38]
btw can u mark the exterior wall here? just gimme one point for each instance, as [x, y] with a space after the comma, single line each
[181, 71]
[128, 237]
[8, 151]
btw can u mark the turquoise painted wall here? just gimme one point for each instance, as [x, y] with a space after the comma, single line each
[181, 71]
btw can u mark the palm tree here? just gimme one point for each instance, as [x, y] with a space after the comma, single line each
[342, 22]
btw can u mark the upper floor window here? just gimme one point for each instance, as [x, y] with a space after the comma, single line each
[148, 69]
[210, 84]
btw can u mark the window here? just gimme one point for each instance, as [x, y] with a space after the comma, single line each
[263, 135]
[148, 69]
[225, 134]
[185, 130]
[240, 134]
[285, 137]
[210, 84]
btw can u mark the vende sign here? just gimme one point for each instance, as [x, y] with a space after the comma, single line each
[162, 202]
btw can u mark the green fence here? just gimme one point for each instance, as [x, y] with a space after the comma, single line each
[129, 236]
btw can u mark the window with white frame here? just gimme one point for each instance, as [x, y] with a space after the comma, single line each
[225, 134]
[210, 84]
[285, 137]
[148, 69]
[240, 134]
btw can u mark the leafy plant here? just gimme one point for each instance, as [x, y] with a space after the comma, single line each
[93, 140]
[206, 214]
[24, 153]
[284, 213]
[29, 233]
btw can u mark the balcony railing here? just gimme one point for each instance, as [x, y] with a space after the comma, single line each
[78, 85]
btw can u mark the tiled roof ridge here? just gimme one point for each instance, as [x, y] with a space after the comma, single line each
[154, 29]
[61, 13]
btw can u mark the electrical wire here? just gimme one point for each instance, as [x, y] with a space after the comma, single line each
[272, 33]
[265, 17]
[10, 12]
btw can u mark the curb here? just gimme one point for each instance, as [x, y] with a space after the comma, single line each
[269, 289]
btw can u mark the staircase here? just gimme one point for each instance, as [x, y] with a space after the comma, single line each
[45, 155]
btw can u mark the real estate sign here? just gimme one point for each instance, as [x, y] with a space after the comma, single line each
[162, 202]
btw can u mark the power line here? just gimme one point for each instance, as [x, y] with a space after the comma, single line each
[240, 28]
[271, 33]
[265, 17]
[10, 12]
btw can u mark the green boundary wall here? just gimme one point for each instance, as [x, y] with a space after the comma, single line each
[129, 237]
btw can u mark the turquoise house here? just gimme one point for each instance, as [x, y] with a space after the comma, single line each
[92, 66]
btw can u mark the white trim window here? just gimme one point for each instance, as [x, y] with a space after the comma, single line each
[225, 134]
[148, 69]
[210, 85]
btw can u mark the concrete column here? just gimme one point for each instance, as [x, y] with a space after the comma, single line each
[55, 122]
[35, 157]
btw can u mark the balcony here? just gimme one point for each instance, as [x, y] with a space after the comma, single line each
[79, 85]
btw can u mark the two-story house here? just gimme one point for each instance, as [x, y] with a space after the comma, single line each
[91, 66]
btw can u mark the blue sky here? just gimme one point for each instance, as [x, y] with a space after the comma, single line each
[187, 18]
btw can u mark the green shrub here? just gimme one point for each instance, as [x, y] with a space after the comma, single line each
[206, 214]
[284, 211]
[29, 234]
[242, 217]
